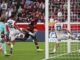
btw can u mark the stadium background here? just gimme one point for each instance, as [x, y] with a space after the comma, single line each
[58, 11]
[68, 13]
[40, 34]
[26, 10]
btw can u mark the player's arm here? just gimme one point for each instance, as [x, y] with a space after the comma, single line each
[68, 32]
[70, 35]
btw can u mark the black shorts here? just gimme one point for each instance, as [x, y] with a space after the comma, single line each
[26, 35]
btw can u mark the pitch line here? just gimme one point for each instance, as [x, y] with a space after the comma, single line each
[61, 55]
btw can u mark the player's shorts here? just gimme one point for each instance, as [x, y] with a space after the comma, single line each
[30, 34]
[53, 37]
[12, 34]
[57, 36]
[61, 36]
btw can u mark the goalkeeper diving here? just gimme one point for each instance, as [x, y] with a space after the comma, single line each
[60, 35]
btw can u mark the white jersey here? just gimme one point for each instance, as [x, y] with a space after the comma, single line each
[60, 33]
[59, 30]
[11, 24]
[12, 30]
[58, 26]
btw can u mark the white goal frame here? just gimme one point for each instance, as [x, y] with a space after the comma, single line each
[47, 29]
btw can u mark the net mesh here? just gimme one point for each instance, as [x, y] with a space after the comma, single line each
[58, 11]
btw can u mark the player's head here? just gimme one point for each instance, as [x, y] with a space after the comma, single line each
[2, 18]
[33, 22]
[13, 15]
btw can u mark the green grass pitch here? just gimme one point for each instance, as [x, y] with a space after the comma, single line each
[24, 51]
[61, 53]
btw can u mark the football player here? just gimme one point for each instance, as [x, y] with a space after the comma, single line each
[30, 31]
[3, 34]
[60, 35]
[13, 30]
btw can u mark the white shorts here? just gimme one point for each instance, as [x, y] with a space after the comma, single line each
[57, 36]
[52, 37]
[13, 33]
[61, 36]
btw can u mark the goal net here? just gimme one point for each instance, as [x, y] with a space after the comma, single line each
[67, 12]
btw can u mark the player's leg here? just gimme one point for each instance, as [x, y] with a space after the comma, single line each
[34, 37]
[4, 47]
[59, 38]
[55, 46]
[3, 44]
[7, 39]
[27, 34]
[36, 42]
[57, 42]
[11, 46]
[0, 47]
[12, 41]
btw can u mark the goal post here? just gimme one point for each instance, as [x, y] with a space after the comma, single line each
[46, 29]
[68, 25]
[67, 47]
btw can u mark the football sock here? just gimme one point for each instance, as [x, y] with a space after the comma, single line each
[11, 49]
[36, 44]
[4, 47]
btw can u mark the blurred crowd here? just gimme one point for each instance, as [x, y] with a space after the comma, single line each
[58, 10]
[26, 9]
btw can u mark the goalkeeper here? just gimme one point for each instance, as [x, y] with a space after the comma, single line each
[60, 35]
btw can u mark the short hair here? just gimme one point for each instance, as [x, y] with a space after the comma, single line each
[13, 14]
